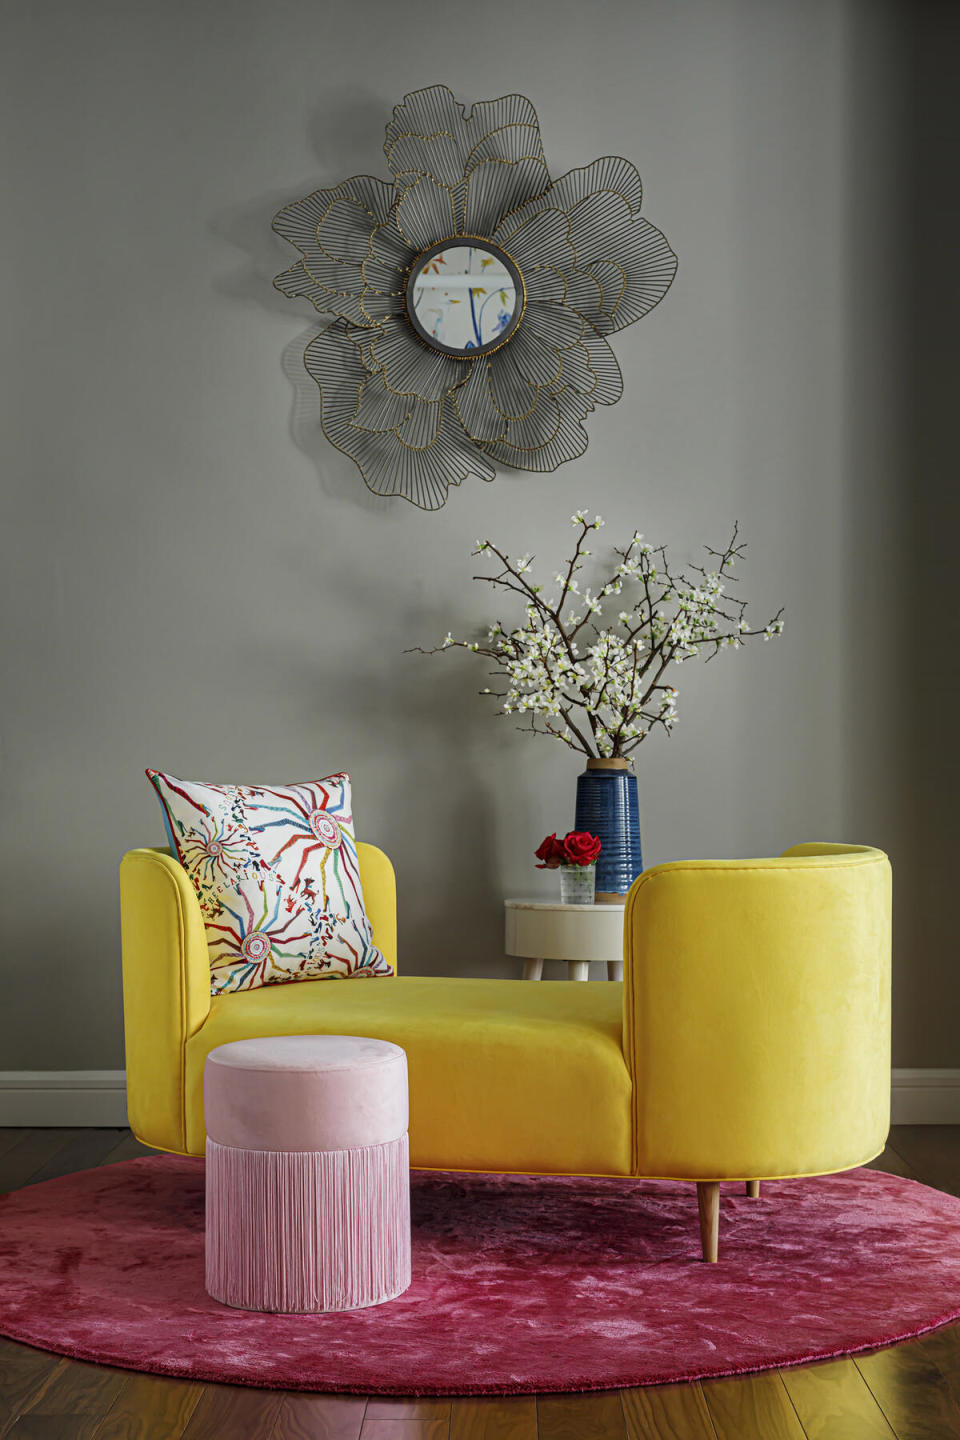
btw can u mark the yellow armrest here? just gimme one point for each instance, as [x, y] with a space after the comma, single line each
[166, 978]
[166, 990]
[379, 885]
[757, 1014]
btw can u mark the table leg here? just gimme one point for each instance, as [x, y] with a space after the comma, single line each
[533, 969]
[614, 969]
[579, 969]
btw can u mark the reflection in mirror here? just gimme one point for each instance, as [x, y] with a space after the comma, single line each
[464, 296]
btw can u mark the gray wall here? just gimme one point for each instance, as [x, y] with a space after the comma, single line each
[196, 581]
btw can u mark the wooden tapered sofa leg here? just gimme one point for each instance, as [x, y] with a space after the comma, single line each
[708, 1203]
[753, 1189]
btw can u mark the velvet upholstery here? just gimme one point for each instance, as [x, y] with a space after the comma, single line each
[503, 1075]
[757, 1014]
[750, 1038]
[305, 1092]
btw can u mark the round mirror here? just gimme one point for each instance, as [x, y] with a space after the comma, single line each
[464, 296]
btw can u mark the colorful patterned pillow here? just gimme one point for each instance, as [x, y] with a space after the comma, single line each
[276, 872]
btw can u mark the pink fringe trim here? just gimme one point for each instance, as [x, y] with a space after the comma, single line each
[308, 1231]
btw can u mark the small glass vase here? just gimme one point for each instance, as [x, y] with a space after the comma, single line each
[577, 884]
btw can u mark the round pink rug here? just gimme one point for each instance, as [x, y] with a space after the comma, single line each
[520, 1284]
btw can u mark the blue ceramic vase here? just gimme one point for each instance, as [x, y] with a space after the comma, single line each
[607, 807]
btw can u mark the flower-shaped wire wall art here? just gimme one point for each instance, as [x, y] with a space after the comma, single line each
[419, 395]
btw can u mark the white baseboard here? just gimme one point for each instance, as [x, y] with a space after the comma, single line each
[63, 1097]
[98, 1097]
[925, 1097]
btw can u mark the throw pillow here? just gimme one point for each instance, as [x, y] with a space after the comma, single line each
[275, 869]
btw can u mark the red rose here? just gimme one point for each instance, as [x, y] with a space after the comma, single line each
[580, 848]
[551, 852]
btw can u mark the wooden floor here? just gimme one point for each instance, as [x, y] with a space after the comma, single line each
[910, 1391]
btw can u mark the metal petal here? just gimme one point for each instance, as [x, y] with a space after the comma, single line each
[477, 412]
[459, 193]
[510, 142]
[603, 235]
[382, 276]
[375, 195]
[423, 425]
[591, 369]
[543, 282]
[604, 365]
[585, 293]
[497, 187]
[577, 372]
[298, 222]
[297, 281]
[553, 434]
[388, 465]
[378, 408]
[554, 323]
[363, 340]
[540, 239]
[611, 173]
[440, 155]
[507, 127]
[385, 273]
[388, 247]
[341, 277]
[510, 391]
[537, 362]
[331, 285]
[344, 231]
[425, 213]
[431, 134]
[598, 226]
[376, 306]
[415, 422]
[534, 431]
[649, 269]
[411, 368]
[430, 124]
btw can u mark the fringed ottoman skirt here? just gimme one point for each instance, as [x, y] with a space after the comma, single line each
[297, 1220]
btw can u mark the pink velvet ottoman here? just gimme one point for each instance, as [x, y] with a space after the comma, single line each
[308, 1179]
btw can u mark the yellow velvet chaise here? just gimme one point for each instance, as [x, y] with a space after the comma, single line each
[749, 1040]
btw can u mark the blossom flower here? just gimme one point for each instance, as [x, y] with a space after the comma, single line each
[604, 696]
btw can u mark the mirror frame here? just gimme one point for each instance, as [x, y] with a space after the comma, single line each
[415, 415]
[464, 242]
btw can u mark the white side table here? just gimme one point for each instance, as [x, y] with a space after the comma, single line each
[583, 935]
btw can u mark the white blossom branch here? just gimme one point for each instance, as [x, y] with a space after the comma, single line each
[601, 689]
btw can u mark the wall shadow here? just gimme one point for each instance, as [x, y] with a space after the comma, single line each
[928, 676]
[903, 781]
[347, 136]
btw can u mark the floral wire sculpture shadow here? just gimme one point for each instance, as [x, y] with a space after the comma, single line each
[603, 690]
[413, 418]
